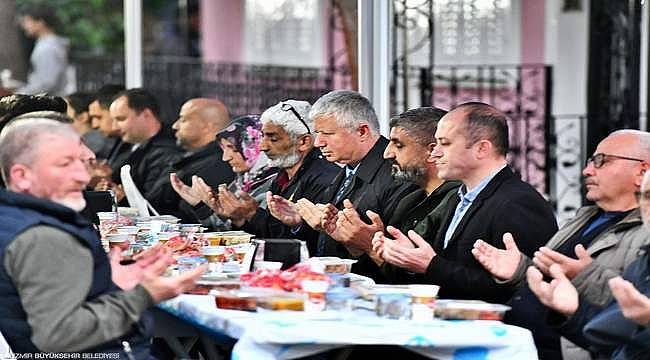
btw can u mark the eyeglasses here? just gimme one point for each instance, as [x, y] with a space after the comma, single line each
[289, 107]
[600, 159]
[642, 196]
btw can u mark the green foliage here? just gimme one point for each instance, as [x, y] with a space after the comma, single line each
[95, 26]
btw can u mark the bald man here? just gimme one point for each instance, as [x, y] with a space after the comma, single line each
[198, 122]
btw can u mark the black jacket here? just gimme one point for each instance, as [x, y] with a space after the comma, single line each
[151, 161]
[414, 212]
[207, 164]
[310, 182]
[506, 204]
[372, 188]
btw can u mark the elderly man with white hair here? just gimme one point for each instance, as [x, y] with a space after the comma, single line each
[59, 291]
[288, 142]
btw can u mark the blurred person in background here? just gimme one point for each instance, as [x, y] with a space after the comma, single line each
[113, 149]
[78, 111]
[136, 115]
[49, 58]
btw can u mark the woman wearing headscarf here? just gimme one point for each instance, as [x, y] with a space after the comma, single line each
[240, 142]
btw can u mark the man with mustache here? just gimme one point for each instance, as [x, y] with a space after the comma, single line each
[288, 142]
[412, 138]
[59, 291]
[593, 247]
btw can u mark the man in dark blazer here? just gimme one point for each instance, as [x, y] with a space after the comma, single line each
[412, 138]
[136, 115]
[348, 133]
[288, 142]
[198, 121]
[472, 143]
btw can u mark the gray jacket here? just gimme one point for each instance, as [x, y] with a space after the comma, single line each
[613, 250]
[49, 61]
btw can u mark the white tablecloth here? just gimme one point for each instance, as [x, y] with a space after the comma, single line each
[289, 335]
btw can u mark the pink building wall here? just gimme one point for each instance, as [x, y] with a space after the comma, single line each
[532, 31]
[221, 30]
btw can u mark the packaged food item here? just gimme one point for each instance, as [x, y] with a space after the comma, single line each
[188, 263]
[213, 253]
[281, 302]
[469, 310]
[121, 241]
[423, 300]
[235, 300]
[393, 305]
[315, 291]
[203, 287]
[340, 299]
[335, 265]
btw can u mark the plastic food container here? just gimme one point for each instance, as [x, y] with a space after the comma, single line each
[336, 265]
[213, 253]
[340, 299]
[281, 302]
[469, 310]
[235, 300]
[188, 263]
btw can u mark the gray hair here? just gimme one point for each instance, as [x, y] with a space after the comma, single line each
[643, 147]
[350, 109]
[22, 138]
[287, 120]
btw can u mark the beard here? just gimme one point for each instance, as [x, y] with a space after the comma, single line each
[76, 204]
[285, 161]
[413, 174]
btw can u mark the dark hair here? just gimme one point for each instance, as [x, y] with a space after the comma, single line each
[139, 100]
[485, 122]
[41, 11]
[420, 123]
[18, 104]
[106, 94]
[79, 101]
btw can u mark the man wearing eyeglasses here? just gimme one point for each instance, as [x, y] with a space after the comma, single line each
[593, 247]
[288, 142]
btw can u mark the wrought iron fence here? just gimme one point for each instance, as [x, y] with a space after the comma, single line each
[245, 89]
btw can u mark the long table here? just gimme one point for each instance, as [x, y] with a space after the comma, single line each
[290, 335]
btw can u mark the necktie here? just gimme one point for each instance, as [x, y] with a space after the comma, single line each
[322, 238]
[344, 187]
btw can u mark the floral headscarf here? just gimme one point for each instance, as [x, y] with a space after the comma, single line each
[245, 132]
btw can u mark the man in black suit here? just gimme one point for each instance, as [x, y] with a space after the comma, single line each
[472, 143]
[136, 115]
[289, 144]
[348, 133]
[199, 119]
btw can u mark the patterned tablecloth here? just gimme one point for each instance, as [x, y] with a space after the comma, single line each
[289, 335]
